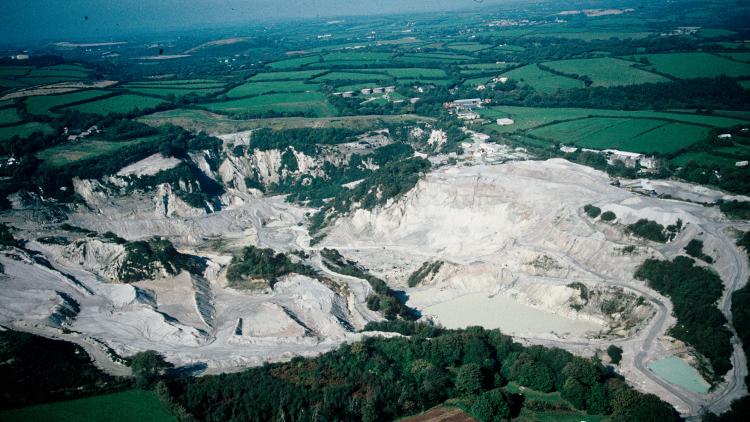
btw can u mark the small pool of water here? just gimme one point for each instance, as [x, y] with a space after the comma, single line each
[505, 313]
[678, 372]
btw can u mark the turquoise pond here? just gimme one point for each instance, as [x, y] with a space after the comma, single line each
[678, 372]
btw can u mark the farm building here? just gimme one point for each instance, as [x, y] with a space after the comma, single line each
[505, 121]
[741, 163]
[467, 104]
[567, 149]
[725, 136]
[347, 94]
[366, 91]
[630, 159]
[390, 89]
[648, 162]
[467, 115]
[500, 79]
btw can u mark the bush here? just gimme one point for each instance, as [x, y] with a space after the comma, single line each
[609, 216]
[145, 259]
[263, 263]
[647, 229]
[695, 249]
[592, 211]
[6, 237]
[694, 291]
[147, 367]
[615, 354]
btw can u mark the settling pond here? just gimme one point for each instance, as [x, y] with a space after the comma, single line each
[505, 313]
[678, 372]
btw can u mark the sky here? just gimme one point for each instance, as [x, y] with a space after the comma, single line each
[60, 20]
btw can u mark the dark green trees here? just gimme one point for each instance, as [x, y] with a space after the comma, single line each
[147, 367]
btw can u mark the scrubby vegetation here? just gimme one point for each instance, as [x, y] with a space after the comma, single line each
[386, 183]
[614, 353]
[384, 379]
[592, 211]
[608, 216]
[744, 241]
[187, 182]
[651, 230]
[694, 292]
[384, 299]
[36, 370]
[694, 248]
[257, 263]
[148, 367]
[741, 323]
[735, 209]
[6, 236]
[148, 259]
[427, 269]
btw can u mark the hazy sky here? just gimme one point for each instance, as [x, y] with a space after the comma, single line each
[22, 20]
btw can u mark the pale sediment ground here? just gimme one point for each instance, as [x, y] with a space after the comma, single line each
[512, 238]
[507, 314]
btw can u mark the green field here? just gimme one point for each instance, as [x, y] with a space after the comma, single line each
[46, 80]
[177, 92]
[310, 102]
[294, 63]
[541, 80]
[280, 76]
[73, 151]
[636, 135]
[481, 80]
[178, 88]
[704, 158]
[532, 117]
[41, 105]
[714, 32]
[23, 130]
[742, 57]
[346, 56]
[352, 76]
[201, 120]
[492, 69]
[14, 70]
[696, 65]
[258, 88]
[128, 406]
[468, 46]
[607, 71]
[119, 104]
[8, 116]
[415, 73]
[431, 58]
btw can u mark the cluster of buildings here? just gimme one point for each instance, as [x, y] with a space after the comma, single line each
[366, 91]
[74, 134]
[630, 159]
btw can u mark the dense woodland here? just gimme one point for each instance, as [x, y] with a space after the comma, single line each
[694, 292]
[383, 379]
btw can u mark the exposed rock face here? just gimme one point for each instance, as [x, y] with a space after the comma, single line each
[516, 229]
[96, 256]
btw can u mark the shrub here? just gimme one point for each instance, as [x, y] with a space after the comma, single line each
[609, 216]
[648, 229]
[592, 211]
[263, 263]
[615, 353]
[695, 249]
